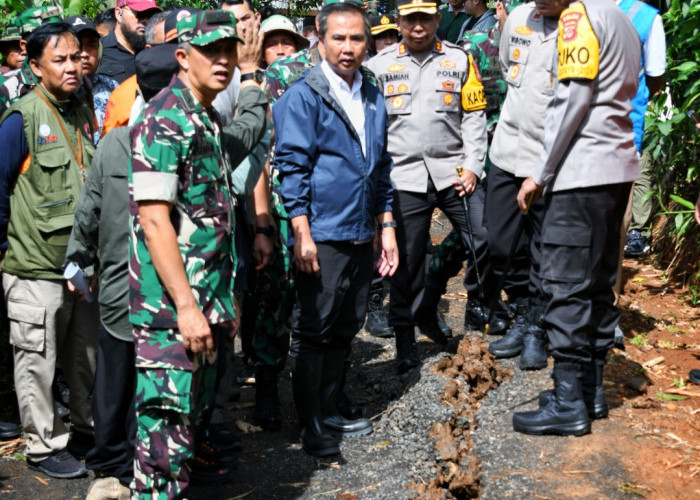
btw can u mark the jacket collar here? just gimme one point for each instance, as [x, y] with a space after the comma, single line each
[438, 48]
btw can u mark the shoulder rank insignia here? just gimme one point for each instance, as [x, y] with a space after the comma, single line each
[438, 45]
[578, 45]
[402, 49]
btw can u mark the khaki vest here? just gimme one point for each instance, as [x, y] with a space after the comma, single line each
[45, 196]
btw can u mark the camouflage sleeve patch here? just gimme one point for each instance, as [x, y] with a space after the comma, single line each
[152, 186]
[156, 144]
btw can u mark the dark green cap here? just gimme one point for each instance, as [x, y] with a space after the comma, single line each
[205, 27]
[359, 3]
[31, 19]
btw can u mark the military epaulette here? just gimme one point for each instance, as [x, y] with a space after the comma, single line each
[402, 49]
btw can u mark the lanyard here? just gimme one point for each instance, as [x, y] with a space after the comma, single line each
[78, 155]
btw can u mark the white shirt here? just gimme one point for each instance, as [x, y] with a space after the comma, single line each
[655, 49]
[350, 99]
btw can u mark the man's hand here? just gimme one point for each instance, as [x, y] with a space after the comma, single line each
[468, 179]
[528, 189]
[92, 282]
[306, 255]
[262, 249]
[196, 334]
[250, 52]
[389, 258]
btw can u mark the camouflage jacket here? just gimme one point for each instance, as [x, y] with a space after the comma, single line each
[177, 157]
[484, 49]
[14, 84]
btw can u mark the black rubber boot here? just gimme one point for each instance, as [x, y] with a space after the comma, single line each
[377, 323]
[9, 430]
[346, 407]
[306, 383]
[331, 381]
[268, 414]
[426, 316]
[406, 355]
[565, 414]
[511, 344]
[476, 315]
[534, 354]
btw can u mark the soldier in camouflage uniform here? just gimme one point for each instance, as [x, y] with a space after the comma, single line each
[182, 212]
[16, 83]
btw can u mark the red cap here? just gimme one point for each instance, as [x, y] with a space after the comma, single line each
[138, 5]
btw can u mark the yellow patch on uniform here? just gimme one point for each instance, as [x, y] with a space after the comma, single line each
[395, 67]
[397, 102]
[448, 85]
[578, 47]
[390, 89]
[448, 64]
[473, 98]
[448, 99]
[438, 46]
[403, 88]
[402, 49]
[523, 30]
[514, 71]
[516, 54]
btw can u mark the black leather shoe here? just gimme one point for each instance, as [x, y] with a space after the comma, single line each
[337, 425]
[377, 323]
[565, 414]
[406, 355]
[694, 376]
[346, 407]
[512, 343]
[534, 355]
[476, 315]
[429, 326]
[9, 431]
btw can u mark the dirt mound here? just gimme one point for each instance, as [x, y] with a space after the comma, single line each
[470, 373]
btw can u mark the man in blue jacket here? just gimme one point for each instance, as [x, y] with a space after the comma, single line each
[331, 153]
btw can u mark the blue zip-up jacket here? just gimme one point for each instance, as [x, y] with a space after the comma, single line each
[322, 170]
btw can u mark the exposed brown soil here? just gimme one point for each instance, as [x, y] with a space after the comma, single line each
[471, 374]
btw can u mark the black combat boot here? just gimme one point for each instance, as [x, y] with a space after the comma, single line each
[427, 314]
[511, 344]
[476, 315]
[306, 383]
[565, 414]
[9, 430]
[268, 414]
[534, 354]
[406, 355]
[376, 323]
[346, 407]
[332, 378]
[592, 386]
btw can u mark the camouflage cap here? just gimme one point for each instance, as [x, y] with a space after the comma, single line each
[31, 19]
[12, 31]
[205, 27]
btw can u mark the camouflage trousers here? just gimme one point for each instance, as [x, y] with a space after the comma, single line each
[172, 395]
[448, 257]
[267, 311]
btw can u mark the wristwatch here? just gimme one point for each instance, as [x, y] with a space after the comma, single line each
[256, 75]
[268, 231]
[384, 225]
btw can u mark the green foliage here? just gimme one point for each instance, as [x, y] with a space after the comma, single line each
[669, 397]
[673, 139]
[640, 340]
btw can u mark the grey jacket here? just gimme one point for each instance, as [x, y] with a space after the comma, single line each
[589, 139]
[429, 132]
